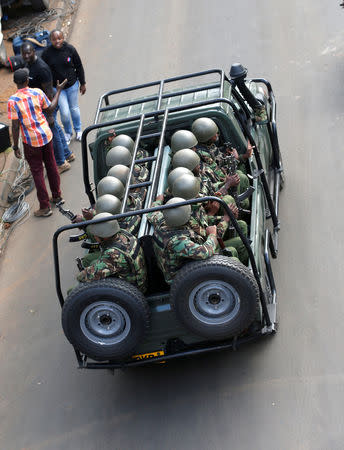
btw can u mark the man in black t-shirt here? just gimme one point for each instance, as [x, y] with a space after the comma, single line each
[64, 62]
[40, 77]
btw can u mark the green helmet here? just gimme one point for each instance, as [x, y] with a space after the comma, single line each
[118, 155]
[182, 139]
[125, 141]
[204, 129]
[176, 173]
[119, 171]
[176, 217]
[186, 186]
[110, 185]
[185, 158]
[105, 229]
[108, 203]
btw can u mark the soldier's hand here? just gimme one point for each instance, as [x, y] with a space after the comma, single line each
[232, 180]
[249, 151]
[211, 230]
[78, 218]
[87, 213]
[212, 208]
[233, 151]
[234, 210]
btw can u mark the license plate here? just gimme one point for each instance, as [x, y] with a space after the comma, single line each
[148, 355]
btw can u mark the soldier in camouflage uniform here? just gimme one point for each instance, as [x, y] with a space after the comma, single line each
[121, 156]
[203, 215]
[199, 220]
[141, 172]
[175, 242]
[228, 234]
[209, 182]
[206, 132]
[120, 256]
[110, 204]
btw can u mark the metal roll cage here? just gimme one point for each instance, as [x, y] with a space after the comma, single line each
[165, 113]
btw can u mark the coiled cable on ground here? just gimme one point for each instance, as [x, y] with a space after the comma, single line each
[16, 211]
[19, 212]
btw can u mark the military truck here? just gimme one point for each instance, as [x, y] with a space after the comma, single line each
[211, 305]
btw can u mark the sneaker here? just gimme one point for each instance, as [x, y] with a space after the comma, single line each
[46, 212]
[57, 200]
[71, 157]
[78, 135]
[63, 167]
[68, 138]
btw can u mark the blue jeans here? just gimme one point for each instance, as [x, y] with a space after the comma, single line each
[61, 149]
[69, 106]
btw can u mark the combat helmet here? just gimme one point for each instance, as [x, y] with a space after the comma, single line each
[176, 173]
[125, 141]
[119, 171]
[118, 155]
[186, 158]
[182, 139]
[186, 186]
[110, 185]
[108, 203]
[104, 229]
[204, 129]
[176, 217]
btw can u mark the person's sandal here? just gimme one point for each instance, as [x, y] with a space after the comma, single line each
[63, 167]
[45, 212]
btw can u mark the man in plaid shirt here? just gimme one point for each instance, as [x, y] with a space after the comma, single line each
[25, 109]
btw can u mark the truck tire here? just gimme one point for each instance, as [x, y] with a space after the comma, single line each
[105, 319]
[215, 298]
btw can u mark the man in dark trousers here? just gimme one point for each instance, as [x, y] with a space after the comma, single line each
[25, 110]
[40, 77]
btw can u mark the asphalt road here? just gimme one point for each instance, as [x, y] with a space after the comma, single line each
[284, 393]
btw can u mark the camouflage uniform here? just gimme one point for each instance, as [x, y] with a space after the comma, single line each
[141, 174]
[175, 246]
[230, 237]
[198, 223]
[200, 220]
[211, 155]
[120, 256]
[130, 224]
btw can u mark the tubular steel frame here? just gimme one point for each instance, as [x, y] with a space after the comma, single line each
[153, 182]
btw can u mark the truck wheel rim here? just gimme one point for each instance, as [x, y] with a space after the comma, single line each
[214, 302]
[105, 323]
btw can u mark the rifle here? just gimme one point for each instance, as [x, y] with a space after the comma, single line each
[65, 212]
[71, 216]
[230, 163]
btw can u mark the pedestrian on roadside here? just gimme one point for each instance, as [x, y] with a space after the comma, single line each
[64, 62]
[40, 77]
[25, 110]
